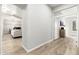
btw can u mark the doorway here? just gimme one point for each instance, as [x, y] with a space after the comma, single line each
[12, 30]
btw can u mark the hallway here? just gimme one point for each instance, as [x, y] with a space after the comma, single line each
[38, 24]
[59, 46]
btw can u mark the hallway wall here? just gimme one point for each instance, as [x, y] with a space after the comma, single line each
[36, 25]
[78, 26]
[0, 22]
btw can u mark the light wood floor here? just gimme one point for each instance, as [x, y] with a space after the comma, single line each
[12, 46]
[60, 46]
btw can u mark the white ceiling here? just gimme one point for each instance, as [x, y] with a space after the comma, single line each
[54, 5]
[23, 6]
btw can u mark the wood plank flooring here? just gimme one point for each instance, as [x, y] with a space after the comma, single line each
[60, 46]
[12, 46]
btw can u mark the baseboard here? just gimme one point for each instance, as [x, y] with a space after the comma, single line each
[36, 46]
[25, 48]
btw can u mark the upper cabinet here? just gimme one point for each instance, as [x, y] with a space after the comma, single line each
[12, 10]
[8, 9]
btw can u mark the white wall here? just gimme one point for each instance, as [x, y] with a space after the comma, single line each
[78, 25]
[0, 21]
[53, 26]
[36, 25]
[0, 29]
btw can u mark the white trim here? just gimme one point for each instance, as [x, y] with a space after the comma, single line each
[27, 50]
